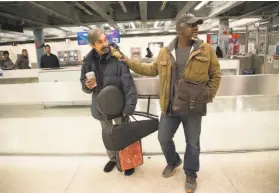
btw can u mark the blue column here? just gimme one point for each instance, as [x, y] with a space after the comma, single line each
[39, 44]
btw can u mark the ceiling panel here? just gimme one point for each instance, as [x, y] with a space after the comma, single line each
[157, 19]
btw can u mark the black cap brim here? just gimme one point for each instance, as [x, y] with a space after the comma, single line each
[195, 20]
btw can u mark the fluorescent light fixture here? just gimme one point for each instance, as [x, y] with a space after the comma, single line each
[28, 33]
[243, 22]
[156, 24]
[92, 26]
[234, 29]
[53, 31]
[201, 4]
[64, 28]
[209, 24]
[215, 29]
[168, 22]
[132, 25]
[107, 25]
[84, 28]
[265, 22]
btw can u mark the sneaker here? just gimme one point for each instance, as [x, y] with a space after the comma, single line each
[129, 172]
[190, 185]
[170, 169]
[109, 166]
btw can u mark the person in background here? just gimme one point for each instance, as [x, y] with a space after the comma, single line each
[6, 63]
[100, 61]
[219, 52]
[49, 60]
[189, 58]
[23, 60]
[149, 53]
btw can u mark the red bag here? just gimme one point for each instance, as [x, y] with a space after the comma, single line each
[130, 157]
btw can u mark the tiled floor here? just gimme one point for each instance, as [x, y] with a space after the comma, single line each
[219, 173]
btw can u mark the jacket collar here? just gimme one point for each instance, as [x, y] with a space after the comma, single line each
[92, 55]
[174, 42]
[106, 56]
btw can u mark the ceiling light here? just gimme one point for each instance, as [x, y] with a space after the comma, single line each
[265, 22]
[201, 4]
[132, 25]
[84, 28]
[64, 28]
[243, 22]
[156, 24]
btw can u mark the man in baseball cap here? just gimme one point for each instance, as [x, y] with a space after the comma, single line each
[189, 24]
[186, 58]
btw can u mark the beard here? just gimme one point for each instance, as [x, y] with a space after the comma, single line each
[105, 49]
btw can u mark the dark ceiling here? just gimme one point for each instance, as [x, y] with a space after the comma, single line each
[66, 13]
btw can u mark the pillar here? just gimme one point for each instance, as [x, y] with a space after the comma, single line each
[247, 40]
[39, 44]
[223, 35]
[257, 40]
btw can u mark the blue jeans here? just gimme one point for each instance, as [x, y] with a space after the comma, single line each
[192, 127]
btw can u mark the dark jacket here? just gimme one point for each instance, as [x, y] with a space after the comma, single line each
[7, 64]
[116, 73]
[50, 61]
[22, 62]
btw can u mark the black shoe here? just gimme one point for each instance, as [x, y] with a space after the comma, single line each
[170, 169]
[109, 166]
[129, 172]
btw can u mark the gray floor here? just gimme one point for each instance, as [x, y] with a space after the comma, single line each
[224, 173]
[233, 123]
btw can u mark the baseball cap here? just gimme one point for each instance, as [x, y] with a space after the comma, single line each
[182, 21]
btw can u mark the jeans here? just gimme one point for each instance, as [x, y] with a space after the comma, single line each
[192, 127]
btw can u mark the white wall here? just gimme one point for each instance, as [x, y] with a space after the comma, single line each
[125, 44]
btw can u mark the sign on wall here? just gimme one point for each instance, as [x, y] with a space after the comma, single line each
[112, 36]
[135, 53]
[212, 39]
[82, 38]
[234, 44]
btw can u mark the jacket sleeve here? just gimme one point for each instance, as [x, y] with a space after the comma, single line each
[18, 62]
[12, 65]
[142, 68]
[83, 79]
[214, 74]
[129, 90]
[41, 62]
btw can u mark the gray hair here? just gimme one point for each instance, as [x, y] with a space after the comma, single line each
[93, 35]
